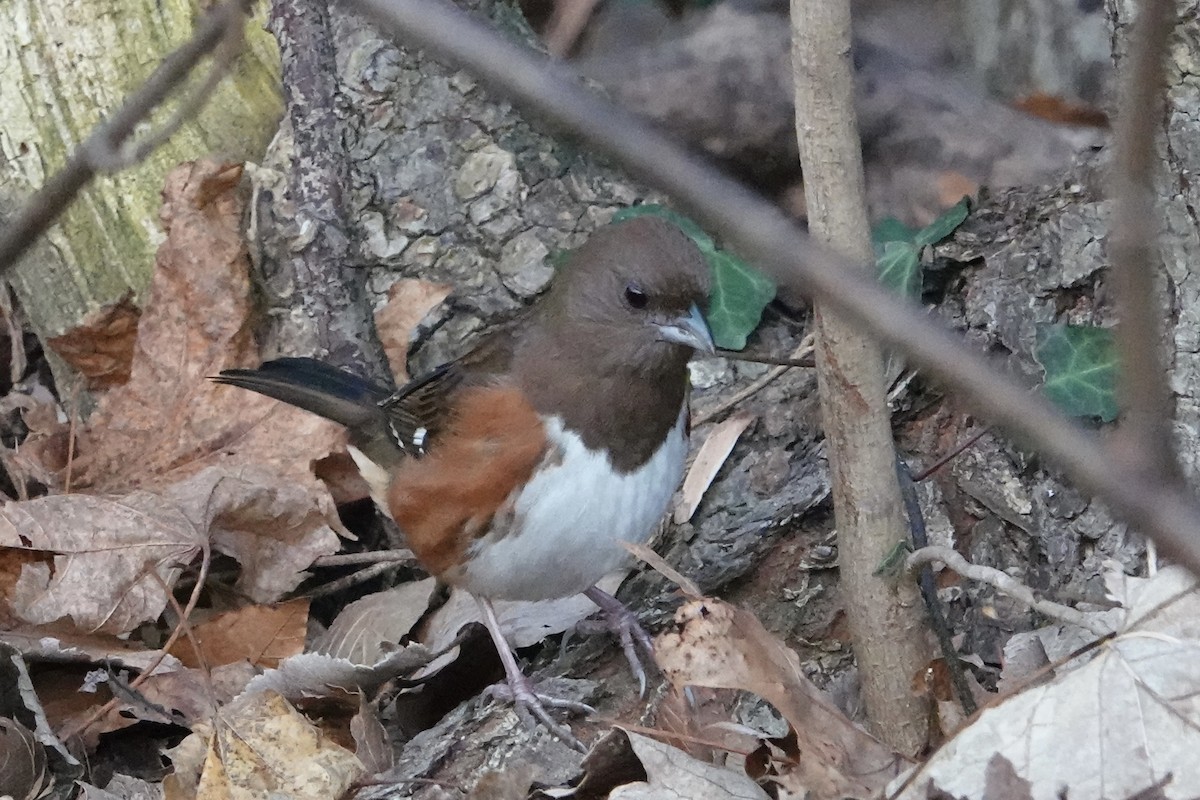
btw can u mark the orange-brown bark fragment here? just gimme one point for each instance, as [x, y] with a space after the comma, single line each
[490, 447]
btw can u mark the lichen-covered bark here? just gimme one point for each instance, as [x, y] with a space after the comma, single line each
[66, 64]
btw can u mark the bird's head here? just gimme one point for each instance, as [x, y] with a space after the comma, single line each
[639, 287]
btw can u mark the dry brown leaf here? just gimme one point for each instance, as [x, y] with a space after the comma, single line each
[121, 787]
[318, 675]
[189, 695]
[717, 645]
[260, 746]
[409, 301]
[169, 421]
[114, 559]
[45, 643]
[1130, 711]
[369, 628]
[100, 347]
[260, 635]
[670, 772]
[23, 762]
[524, 622]
[709, 459]
[372, 744]
[274, 527]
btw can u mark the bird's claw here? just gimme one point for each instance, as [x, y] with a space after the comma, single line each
[531, 708]
[619, 620]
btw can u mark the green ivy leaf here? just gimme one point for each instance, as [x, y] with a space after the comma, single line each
[900, 268]
[739, 295]
[890, 229]
[739, 292]
[1081, 369]
[944, 225]
[694, 231]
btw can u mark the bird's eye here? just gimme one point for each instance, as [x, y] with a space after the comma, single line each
[635, 296]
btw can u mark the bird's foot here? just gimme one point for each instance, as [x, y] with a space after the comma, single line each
[531, 707]
[616, 618]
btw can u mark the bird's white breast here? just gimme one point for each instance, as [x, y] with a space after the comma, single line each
[567, 522]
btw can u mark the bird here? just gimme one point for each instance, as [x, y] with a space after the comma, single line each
[516, 471]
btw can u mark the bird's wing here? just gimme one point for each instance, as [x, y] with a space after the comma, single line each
[420, 410]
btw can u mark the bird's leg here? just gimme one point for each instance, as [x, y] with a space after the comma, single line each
[624, 623]
[519, 690]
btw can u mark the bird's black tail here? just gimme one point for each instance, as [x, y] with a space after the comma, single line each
[327, 391]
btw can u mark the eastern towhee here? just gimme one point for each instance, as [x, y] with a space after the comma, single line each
[515, 471]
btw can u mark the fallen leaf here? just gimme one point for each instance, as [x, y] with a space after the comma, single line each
[273, 526]
[318, 675]
[670, 772]
[180, 696]
[1131, 713]
[409, 301]
[168, 420]
[114, 559]
[43, 643]
[709, 459]
[372, 744]
[524, 623]
[100, 347]
[122, 787]
[260, 635]
[369, 628]
[716, 645]
[23, 768]
[257, 746]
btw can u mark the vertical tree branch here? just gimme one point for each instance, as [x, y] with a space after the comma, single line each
[885, 616]
[1143, 442]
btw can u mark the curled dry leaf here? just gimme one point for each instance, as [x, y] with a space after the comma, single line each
[38, 644]
[101, 346]
[259, 635]
[114, 559]
[716, 645]
[187, 695]
[372, 744]
[1131, 713]
[318, 675]
[409, 301]
[260, 746]
[121, 787]
[709, 459]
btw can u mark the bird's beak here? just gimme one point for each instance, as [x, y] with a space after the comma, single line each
[691, 331]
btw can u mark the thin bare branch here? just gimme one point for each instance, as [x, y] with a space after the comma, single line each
[97, 151]
[761, 231]
[1143, 441]
[1003, 582]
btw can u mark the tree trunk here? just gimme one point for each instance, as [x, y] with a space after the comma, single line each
[66, 65]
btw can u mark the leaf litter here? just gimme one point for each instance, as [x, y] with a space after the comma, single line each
[172, 470]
